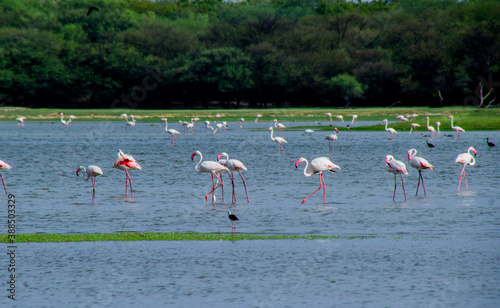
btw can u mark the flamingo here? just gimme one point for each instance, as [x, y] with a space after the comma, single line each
[20, 121]
[414, 127]
[437, 127]
[332, 137]
[233, 219]
[218, 128]
[72, 117]
[91, 172]
[420, 164]
[184, 124]
[390, 130]
[4, 165]
[340, 118]
[190, 126]
[171, 131]
[456, 128]
[354, 116]
[213, 168]
[329, 115]
[130, 123]
[490, 144]
[395, 167]
[308, 131]
[126, 162]
[318, 165]
[207, 124]
[63, 122]
[402, 118]
[279, 125]
[430, 128]
[278, 140]
[465, 159]
[216, 117]
[257, 117]
[241, 122]
[234, 165]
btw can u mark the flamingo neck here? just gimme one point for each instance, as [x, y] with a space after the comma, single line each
[166, 125]
[427, 123]
[197, 168]
[386, 126]
[305, 168]
[451, 122]
[272, 134]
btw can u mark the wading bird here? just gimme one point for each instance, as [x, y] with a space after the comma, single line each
[390, 130]
[257, 117]
[413, 127]
[354, 116]
[430, 145]
[63, 122]
[308, 131]
[131, 123]
[456, 128]
[279, 141]
[395, 167]
[91, 172]
[241, 122]
[437, 127]
[4, 165]
[490, 144]
[430, 128]
[420, 164]
[213, 168]
[332, 137]
[280, 126]
[465, 159]
[171, 131]
[318, 165]
[126, 162]
[340, 118]
[20, 121]
[329, 115]
[234, 165]
[233, 219]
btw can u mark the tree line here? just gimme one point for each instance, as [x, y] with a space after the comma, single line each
[254, 53]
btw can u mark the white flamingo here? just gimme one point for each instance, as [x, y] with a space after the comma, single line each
[414, 127]
[91, 172]
[63, 122]
[4, 165]
[466, 159]
[234, 165]
[430, 128]
[257, 117]
[420, 164]
[395, 167]
[456, 128]
[329, 115]
[332, 137]
[280, 126]
[171, 131]
[20, 121]
[213, 168]
[318, 165]
[278, 140]
[340, 118]
[354, 117]
[390, 130]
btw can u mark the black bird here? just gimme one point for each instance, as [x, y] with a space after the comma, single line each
[233, 219]
[490, 144]
[430, 145]
[92, 8]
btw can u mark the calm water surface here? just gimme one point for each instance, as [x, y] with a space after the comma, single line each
[435, 251]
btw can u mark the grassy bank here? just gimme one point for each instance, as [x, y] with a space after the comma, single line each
[469, 118]
[160, 236]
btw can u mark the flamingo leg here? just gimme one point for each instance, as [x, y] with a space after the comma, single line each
[172, 139]
[126, 182]
[213, 188]
[320, 186]
[403, 184]
[244, 185]
[418, 185]
[130, 182]
[423, 184]
[232, 182]
[461, 173]
[4, 187]
[92, 179]
[465, 177]
[324, 188]
[395, 186]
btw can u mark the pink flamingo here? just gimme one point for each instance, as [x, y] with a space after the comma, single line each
[420, 164]
[456, 128]
[354, 117]
[390, 130]
[241, 122]
[171, 131]
[329, 115]
[402, 118]
[340, 118]
[437, 127]
[279, 141]
[332, 137]
[318, 165]
[234, 165]
[20, 121]
[414, 127]
[396, 167]
[279, 126]
[4, 165]
[430, 128]
[213, 168]
[465, 159]
[218, 128]
[91, 172]
[126, 162]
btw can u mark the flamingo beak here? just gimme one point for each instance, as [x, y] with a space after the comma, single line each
[297, 163]
[77, 172]
[192, 156]
[218, 157]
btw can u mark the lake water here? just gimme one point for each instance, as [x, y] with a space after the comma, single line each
[435, 251]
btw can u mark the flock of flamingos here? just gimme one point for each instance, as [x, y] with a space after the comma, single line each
[318, 165]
